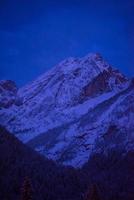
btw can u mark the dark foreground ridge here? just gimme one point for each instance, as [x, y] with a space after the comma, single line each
[48, 181]
[106, 176]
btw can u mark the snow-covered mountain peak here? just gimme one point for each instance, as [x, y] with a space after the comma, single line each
[64, 111]
[93, 56]
[94, 61]
[65, 84]
[68, 61]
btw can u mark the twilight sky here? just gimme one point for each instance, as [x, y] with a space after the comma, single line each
[37, 34]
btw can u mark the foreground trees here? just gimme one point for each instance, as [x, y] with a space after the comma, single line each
[93, 194]
[26, 191]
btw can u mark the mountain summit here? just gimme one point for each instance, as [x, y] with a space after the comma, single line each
[81, 106]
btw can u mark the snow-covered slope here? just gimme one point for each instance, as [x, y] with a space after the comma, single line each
[66, 112]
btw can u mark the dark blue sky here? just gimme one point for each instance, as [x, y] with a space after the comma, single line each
[37, 34]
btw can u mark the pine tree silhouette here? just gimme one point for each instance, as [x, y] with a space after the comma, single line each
[93, 194]
[26, 191]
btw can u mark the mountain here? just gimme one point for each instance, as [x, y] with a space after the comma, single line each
[80, 107]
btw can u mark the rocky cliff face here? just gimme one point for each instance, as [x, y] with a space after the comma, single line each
[65, 113]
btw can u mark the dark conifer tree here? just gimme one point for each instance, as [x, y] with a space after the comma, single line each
[92, 194]
[26, 191]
